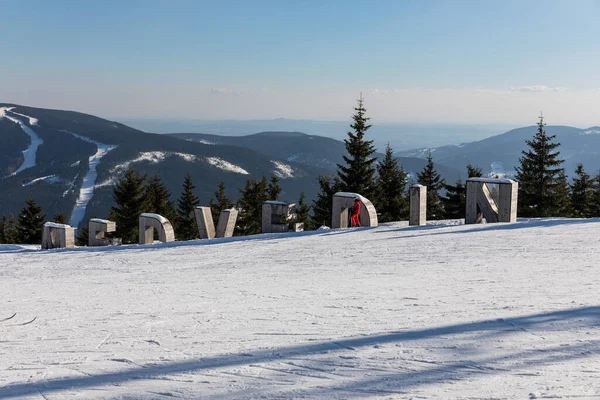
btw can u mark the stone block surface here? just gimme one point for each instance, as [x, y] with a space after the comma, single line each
[341, 205]
[418, 205]
[148, 222]
[227, 221]
[97, 229]
[204, 220]
[57, 236]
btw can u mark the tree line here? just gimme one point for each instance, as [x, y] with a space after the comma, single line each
[543, 192]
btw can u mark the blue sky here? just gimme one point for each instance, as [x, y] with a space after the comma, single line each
[421, 60]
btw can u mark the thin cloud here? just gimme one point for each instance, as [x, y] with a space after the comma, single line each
[537, 88]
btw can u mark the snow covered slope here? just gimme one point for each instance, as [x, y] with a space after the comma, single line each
[504, 311]
[29, 154]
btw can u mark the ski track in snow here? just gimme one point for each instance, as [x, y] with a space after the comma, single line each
[30, 153]
[86, 192]
[443, 311]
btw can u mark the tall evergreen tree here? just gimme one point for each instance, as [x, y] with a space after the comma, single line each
[29, 223]
[541, 177]
[357, 175]
[254, 194]
[59, 218]
[582, 193]
[391, 199]
[273, 190]
[429, 177]
[455, 201]
[8, 230]
[128, 196]
[186, 226]
[563, 196]
[303, 212]
[220, 203]
[157, 199]
[595, 203]
[323, 203]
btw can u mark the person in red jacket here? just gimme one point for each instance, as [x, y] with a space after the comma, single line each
[355, 213]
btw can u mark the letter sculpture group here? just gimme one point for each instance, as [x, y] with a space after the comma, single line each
[494, 200]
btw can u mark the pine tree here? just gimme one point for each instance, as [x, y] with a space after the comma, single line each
[29, 223]
[323, 203]
[128, 196]
[157, 199]
[273, 190]
[186, 227]
[221, 202]
[8, 230]
[59, 218]
[303, 212]
[357, 175]
[391, 199]
[430, 178]
[540, 176]
[473, 172]
[582, 193]
[455, 201]
[254, 194]
[562, 191]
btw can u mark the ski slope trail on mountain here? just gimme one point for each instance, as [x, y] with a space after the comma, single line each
[86, 192]
[30, 153]
[443, 311]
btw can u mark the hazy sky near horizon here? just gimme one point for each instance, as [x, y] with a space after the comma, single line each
[431, 60]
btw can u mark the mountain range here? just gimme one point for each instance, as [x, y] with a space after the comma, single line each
[69, 161]
[499, 155]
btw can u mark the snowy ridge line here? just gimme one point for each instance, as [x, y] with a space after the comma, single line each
[30, 153]
[282, 170]
[32, 121]
[86, 192]
[226, 165]
[153, 157]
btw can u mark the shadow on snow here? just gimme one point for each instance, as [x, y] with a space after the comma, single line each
[387, 381]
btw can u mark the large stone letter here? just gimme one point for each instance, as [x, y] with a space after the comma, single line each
[204, 220]
[149, 222]
[96, 230]
[226, 224]
[499, 205]
[56, 236]
[418, 205]
[276, 216]
[343, 201]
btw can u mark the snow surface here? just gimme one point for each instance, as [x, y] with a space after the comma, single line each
[48, 179]
[86, 192]
[153, 157]
[490, 180]
[591, 132]
[496, 311]
[32, 121]
[157, 217]
[225, 165]
[99, 220]
[56, 225]
[30, 153]
[353, 195]
[282, 170]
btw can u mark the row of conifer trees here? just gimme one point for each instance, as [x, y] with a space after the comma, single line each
[543, 192]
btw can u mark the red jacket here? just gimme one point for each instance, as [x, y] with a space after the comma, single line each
[356, 207]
